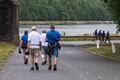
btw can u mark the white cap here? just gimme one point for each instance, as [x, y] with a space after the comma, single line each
[34, 27]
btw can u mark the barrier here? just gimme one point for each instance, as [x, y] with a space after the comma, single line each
[98, 44]
[113, 48]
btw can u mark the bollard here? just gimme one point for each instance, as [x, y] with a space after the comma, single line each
[113, 48]
[98, 44]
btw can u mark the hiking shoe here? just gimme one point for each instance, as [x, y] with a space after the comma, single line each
[36, 66]
[50, 67]
[43, 63]
[55, 68]
[32, 68]
[26, 61]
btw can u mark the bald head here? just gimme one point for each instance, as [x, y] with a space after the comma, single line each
[34, 28]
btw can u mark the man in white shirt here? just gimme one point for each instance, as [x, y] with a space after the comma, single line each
[34, 46]
[44, 47]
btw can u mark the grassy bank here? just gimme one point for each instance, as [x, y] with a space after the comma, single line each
[63, 22]
[105, 50]
[5, 50]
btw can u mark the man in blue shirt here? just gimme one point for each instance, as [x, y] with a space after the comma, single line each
[53, 37]
[23, 45]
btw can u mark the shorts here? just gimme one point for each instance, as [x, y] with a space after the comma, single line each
[34, 51]
[24, 51]
[53, 52]
[44, 50]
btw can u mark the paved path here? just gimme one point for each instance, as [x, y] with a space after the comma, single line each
[74, 64]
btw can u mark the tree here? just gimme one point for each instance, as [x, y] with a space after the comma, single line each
[114, 7]
[105, 1]
[55, 10]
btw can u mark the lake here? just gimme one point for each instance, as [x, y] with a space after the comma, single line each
[72, 29]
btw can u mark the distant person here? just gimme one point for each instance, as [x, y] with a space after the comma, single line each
[53, 37]
[44, 50]
[103, 36]
[23, 45]
[34, 45]
[100, 36]
[108, 36]
[95, 35]
[63, 33]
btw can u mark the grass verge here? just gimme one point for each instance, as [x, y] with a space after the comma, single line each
[105, 50]
[5, 50]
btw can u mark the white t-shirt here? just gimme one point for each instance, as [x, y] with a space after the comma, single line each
[34, 38]
[43, 39]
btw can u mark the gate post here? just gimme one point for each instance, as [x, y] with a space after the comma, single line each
[113, 48]
[98, 44]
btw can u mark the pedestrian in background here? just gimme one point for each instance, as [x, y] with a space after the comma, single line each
[53, 37]
[95, 35]
[100, 36]
[103, 36]
[108, 36]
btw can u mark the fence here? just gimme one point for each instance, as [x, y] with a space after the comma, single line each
[90, 37]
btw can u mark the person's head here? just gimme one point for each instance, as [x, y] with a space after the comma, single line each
[34, 28]
[52, 27]
[26, 32]
[44, 31]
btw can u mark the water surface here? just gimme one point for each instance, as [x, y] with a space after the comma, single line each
[72, 29]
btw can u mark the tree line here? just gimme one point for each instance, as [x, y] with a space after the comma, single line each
[61, 10]
[114, 7]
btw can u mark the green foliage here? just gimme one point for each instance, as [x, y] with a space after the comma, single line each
[118, 48]
[60, 10]
[114, 7]
[5, 49]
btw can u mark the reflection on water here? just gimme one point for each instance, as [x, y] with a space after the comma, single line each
[73, 29]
